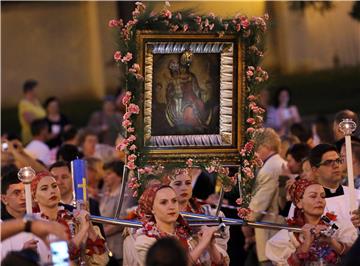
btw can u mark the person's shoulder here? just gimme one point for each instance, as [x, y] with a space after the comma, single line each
[24, 104]
[274, 162]
[38, 145]
[30, 145]
[143, 241]
[347, 190]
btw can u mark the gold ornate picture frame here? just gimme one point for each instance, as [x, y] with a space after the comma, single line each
[193, 95]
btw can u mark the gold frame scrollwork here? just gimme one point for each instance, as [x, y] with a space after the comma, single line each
[224, 146]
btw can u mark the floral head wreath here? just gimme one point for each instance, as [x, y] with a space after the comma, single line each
[146, 202]
[36, 180]
[297, 189]
[171, 175]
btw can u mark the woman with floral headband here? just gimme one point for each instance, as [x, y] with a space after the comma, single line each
[81, 232]
[313, 246]
[159, 213]
[181, 181]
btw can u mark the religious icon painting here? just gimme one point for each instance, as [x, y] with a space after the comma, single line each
[192, 97]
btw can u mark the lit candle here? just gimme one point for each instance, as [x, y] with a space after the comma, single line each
[347, 126]
[26, 175]
[78, 170]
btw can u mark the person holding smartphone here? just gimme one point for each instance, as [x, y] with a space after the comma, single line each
[86, 243]
[313, 246]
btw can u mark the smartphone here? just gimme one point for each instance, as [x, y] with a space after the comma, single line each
[4, 146]
[60, 253]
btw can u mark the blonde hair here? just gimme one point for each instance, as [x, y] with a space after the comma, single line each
[267, 137]
[96, 165]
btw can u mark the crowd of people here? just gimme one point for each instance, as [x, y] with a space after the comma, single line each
[302, 183]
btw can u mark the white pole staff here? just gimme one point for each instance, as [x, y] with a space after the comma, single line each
[348, 126]
[26, 175]
[239, 182]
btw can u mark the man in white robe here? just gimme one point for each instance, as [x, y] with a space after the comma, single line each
[326, 167]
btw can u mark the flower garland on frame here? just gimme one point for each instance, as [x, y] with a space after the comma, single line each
[159, 173]
[251, 31]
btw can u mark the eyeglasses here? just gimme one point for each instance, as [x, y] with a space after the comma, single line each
[331, 162]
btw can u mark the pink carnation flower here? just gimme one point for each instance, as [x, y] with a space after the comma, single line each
[122, 145]
[141, 171]
[132, 157]
[131, 165]
[250, 121]
[245, 23]
[132, 147]
[117, 56]
[250, 130]
[249, 73]
[255, 109]
[189, 162]
[167, 14]
[113, 23]
[126, 99]
[198, 19]
[130, 129]
[131, 138]
[148, 169]
[251, 97]
[127, 57]
[249, 146]
[126, 116]
[133, 108]
[126, 123]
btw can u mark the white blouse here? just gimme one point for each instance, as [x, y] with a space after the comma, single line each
[280, 247]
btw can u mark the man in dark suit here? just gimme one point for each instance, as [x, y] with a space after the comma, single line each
[62, 173]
